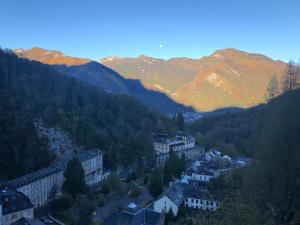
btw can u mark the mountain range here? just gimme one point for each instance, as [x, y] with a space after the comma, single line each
[104, 77]
[226, 78]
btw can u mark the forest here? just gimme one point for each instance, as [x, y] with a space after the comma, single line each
[119, 125]
[268, 191]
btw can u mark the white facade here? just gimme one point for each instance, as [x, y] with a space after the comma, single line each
[39, 190]
[38, 186]
[165, 204]
[201, 177]
[198, 203]
[181, 142]
[93, 170]
[161, 147]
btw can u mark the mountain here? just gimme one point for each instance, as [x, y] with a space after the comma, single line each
[30, 91]
[227, 78]
[104, 77]
[49, 57]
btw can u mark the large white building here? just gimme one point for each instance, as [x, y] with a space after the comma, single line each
[197, 198]
[13, 205]
[180, 142]
[40, 185]
[184, 194]
[202, 175]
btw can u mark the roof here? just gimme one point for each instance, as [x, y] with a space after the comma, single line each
[175, 193]
[85, 155]
[204, 172]
[13, 201]
[140, 216]
[27, 221]
[198, 193]
[31, 177]
[55, 167]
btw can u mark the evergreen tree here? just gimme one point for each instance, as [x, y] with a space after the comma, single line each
[74, 178]
[85, 213]
[167, 173]
[180, 122]
[272, 89]
[156, 183]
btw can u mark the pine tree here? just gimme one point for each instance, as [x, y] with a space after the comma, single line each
[156, 183]
[167, 173]
[74, 178]
[180, 122]
[272, 89]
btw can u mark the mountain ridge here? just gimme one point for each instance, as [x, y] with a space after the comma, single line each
[226, 78]
[104, 77]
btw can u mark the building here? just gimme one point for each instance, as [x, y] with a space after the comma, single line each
[180, 142]
[170, 199]
[13, 205]
[134, 215]
[44, 184]
[186, 193]
[202, 175]
[92, 163]
[198, 198]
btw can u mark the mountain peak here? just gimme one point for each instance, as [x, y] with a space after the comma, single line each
[49, 56]
[109, 59]
[233, 52]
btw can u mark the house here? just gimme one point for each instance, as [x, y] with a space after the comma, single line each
[170, 199]
[198, 198]
[215, 152]
[226, 158]
[41, 184]
[27, 221]
[180, 142]
[202, 175]
[134, 215]
[13, 205]
[242, 161]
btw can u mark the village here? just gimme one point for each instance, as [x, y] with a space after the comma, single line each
[130, 202]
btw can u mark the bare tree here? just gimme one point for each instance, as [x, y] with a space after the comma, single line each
[272, 89]
[290, 81]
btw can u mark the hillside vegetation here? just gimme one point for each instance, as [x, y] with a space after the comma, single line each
[29, 90]
[268, 191]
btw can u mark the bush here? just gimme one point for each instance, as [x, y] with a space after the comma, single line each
[62, 203]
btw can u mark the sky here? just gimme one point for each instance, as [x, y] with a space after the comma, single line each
[159, 28]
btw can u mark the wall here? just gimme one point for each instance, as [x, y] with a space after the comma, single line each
[164, 204]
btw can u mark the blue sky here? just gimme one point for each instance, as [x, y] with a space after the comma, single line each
[159, 28]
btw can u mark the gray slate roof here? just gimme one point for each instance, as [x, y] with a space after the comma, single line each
[175, 193]
[134, 216]
[13, 201]
[27, 221]
[55, 167]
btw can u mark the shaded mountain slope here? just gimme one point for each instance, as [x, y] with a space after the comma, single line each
[118, 124]
[105, 78]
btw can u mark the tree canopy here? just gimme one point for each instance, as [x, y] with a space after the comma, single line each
[74, 182]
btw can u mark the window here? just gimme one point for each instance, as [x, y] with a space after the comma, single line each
[192, 200]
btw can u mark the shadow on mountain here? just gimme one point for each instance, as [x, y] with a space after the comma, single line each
[222, 111]
[112, 82]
